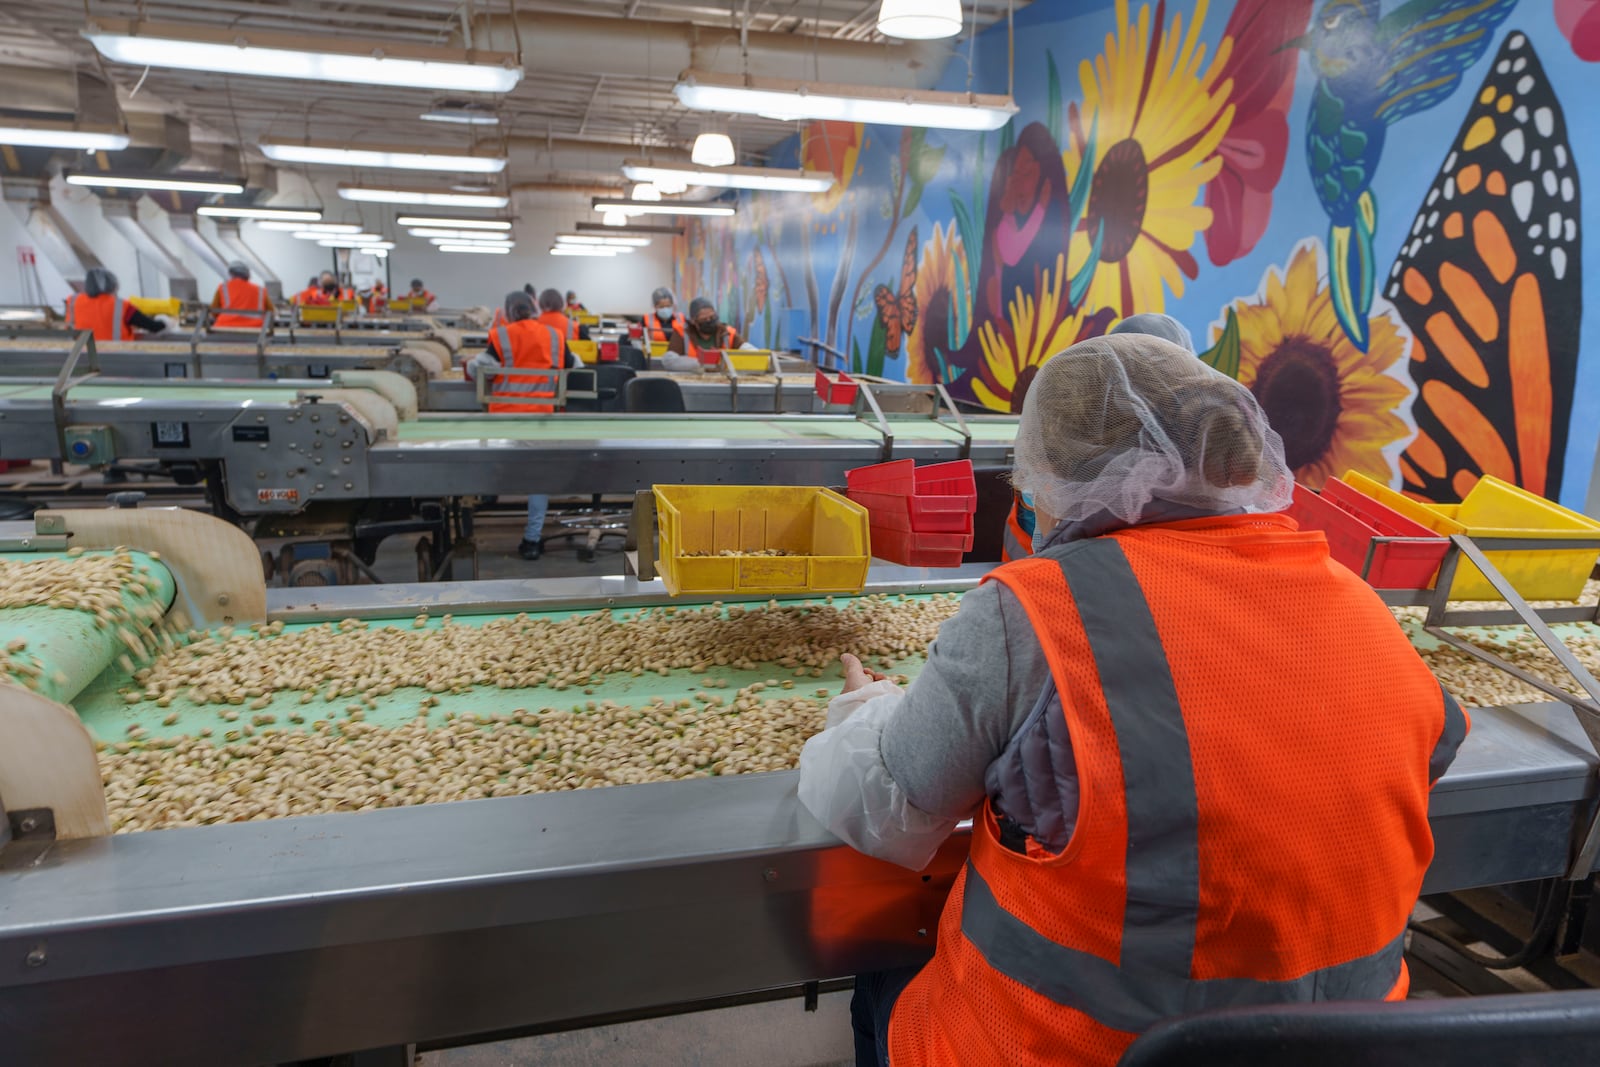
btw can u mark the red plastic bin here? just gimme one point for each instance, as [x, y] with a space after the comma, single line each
[609, 351]
[1350, 520]
[937, 498]
[918, 549]
[840, 390]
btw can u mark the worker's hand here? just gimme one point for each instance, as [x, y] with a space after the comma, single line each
[855, 675]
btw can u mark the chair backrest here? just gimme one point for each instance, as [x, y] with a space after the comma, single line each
[609, 381]
[653, 394]
[582, 381]
[629, 356]
[1547, 1029]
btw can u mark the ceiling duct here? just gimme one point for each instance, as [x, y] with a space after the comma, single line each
[68, 252]
[578, 44]
[183, 227]
[572, 156]
[42, 94]
[123, 216]
[229, 238]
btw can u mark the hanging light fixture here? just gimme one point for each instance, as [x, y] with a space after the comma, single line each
[614, 217]
[779, 98]
[176, 181]
[919, 20]
[671, 183]
[770, 179]
[62, 135]
[421, 197]
[380, 156]
[713, 149]
[624, 208]
[646, 191]
[279, 214]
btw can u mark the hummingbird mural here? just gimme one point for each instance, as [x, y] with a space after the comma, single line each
[1372, 72]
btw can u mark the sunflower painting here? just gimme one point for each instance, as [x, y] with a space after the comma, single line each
[1035, 328]
[1161, 113]
[1336, 407]
[946, 309]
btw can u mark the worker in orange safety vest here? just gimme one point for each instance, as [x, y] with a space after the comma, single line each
[310, 295]
[1196, 752]
[100, 311]
[239, 294]
[552, 315]
[663, 319]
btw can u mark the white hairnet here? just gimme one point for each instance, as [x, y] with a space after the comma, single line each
[1113, 423]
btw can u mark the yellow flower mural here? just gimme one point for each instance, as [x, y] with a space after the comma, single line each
[946, 307]
[1159, 113]
[1036, 328]
[1336, 407]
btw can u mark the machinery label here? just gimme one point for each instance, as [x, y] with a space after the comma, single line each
[277, 496]
[251, 433]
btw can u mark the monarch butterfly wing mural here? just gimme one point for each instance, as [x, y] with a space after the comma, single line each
[906, 299]
[1489, 282]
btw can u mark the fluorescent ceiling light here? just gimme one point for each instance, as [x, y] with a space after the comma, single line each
[671, 184]
[317, 234]
[374, 250]
[700, 91]
[464, 114]
[470, 241]
[177, 184]
[665, 207]
[383, 156]
[712, 149]
[63, 135]
[645, 191]
[919, 20]
[614, 218]
[233, 50]
[768, 178]
[319, 228]
[357, 241]
[421, 197]
[281, 214]
[460, 235]
[597, 239]
[460, 224]
[486, 249]
[584, 250]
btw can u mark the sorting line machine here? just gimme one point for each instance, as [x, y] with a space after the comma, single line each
[277, 940]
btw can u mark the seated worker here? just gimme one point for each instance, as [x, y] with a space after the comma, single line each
[311, 294]
[239, 295]
[103, 313]
[574, 305]
[1017, 541]
[328, 292]
[377, 298]
[535, 346]
[550, 313]
[1196, 751]
[705, 331]
[663, 319]
[421, 299]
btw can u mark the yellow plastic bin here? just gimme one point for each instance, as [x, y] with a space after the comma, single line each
[1494, 508]
[750, 362]
[584, 350]
[658, 349]
[152, 305]
[824, 534]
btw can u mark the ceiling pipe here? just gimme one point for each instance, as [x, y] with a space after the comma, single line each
[123, 216]
[572, 157]
[577, 44]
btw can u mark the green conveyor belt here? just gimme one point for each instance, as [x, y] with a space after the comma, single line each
[108, 717]
[67, 646]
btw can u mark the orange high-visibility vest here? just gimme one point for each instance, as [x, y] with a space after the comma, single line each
[564, 327]
[533, 346]
[236, 294]
[378, 299]
[1017, 543]
[1254, 740]
[104, 316]
[729, 340]
[652, 326]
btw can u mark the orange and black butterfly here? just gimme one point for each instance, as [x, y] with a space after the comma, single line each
[898, 311]
[1489, 280]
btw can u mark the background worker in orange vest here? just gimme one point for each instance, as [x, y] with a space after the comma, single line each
[550, 313]
[99, 310]
[377, 298]
[705, 331]
[523, 342]
[663, 319]
[575, 306]
[421, 299]
[1196, 751]
[311, 294]
[237, 295]
[1021, 525]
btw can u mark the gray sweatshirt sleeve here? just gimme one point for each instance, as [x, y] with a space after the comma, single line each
[985, 672]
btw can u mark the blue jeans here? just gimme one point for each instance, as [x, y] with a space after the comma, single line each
[869, 1012]
[537, 506]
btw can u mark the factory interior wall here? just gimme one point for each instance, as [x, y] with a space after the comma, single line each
[1208, 161]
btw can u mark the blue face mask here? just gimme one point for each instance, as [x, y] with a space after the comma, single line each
[666, 313]
[1029, 520]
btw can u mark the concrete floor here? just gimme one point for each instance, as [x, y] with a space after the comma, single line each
[776, 1034]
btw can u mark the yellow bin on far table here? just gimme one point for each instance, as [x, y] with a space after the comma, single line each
[823, 534]
[1495, 508]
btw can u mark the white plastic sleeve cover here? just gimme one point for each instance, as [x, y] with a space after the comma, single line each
[846, 787]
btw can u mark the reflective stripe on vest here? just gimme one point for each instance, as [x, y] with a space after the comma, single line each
[1017, 542]
[1162, 869]
[1450, 738]
[507, 390]
[118, 312]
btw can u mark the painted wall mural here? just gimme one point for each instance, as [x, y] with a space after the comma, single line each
[1368, 211]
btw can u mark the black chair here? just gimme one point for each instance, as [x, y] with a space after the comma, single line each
[1544, 1029]
[629, 356]
[609, 381]
[582, 381]
[653, 394]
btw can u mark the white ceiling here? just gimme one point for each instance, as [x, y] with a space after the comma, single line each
[618, 108]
